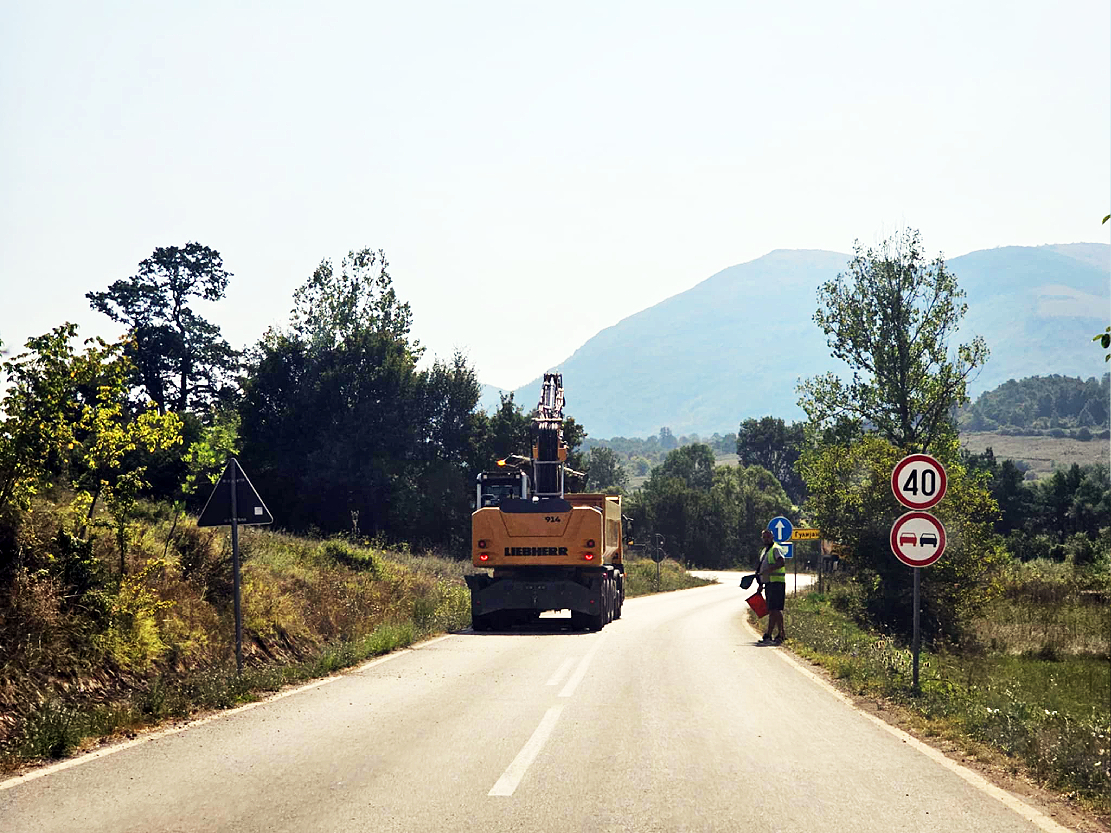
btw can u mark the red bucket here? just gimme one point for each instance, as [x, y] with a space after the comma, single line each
[758, 605]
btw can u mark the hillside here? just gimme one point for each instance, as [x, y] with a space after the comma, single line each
[735, 345]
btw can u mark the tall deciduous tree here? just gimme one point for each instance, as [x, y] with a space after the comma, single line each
[347, 432]
[335, 304]
[66, 418]
[711, 516]
[771, 443]
[891, 318]
[605, 472]
[181, 359]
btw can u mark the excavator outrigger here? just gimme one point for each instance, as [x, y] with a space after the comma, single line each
[548, 549]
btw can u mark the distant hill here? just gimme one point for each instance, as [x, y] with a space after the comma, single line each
[489, 398]
[1040, 404]
[735, 345]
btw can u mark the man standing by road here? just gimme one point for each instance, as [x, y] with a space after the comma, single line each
[773, 575]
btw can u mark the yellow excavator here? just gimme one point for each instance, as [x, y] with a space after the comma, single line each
[540, 547]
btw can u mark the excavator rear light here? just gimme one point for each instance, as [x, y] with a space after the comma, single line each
[589, 556]
[482, 544]
[484, 556]
[590, 544]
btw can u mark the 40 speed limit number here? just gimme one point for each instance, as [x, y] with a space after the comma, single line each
[919, 481]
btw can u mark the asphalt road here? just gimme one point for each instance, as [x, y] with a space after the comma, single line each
[670, 719]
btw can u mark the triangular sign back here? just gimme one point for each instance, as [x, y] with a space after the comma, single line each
[249, 506]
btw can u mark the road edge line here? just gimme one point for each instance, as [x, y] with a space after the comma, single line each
[975, 779]
[155, 734]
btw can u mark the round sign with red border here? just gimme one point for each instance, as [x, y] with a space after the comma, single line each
[917, 539]
[919, 481]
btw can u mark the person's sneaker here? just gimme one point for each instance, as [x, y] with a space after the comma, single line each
[778, 640]
[765, 639]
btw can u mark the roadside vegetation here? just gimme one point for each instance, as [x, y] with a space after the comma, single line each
[1029, 687]
[86, 655]
[1015, 627]
[640, 577]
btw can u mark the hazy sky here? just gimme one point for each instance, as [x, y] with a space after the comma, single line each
[534, 172]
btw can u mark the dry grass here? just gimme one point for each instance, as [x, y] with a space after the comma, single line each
[116, 655]
[1043, 455]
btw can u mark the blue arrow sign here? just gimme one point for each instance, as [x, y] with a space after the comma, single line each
[781, 529]
[789, 550]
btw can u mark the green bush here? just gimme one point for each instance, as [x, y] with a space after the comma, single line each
[362, 560]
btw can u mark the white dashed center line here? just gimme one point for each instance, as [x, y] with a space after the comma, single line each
[580, 672]
[516, 770]
[561, 672]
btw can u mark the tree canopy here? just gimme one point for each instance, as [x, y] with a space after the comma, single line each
[771, 443]
[891, 318]
[180, 358]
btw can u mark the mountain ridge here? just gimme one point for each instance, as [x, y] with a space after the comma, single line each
[727, 349]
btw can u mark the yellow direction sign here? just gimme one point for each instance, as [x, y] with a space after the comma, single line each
[805, 534]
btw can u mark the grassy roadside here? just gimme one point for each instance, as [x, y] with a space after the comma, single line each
[640, 577]
[1040, 714]
[86, 656]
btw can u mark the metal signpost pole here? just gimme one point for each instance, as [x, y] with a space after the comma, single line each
[216, 513]
[658, 560]
[235, 569]
[916, 642]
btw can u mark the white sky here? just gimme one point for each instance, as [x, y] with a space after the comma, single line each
[534, 172]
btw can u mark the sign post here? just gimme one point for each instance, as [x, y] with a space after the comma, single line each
[658, 557]
[918, 481]
[233, 495]
[804, 535]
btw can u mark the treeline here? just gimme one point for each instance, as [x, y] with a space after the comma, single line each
[335, 421]
[1053, 405]
[709, 515]
[638, 455]
[1061, 517]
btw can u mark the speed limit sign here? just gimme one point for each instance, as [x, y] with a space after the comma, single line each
[918, 481]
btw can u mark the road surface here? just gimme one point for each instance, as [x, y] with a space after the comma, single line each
[670, 719]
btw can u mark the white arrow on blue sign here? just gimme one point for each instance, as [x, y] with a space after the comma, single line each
[781, 529]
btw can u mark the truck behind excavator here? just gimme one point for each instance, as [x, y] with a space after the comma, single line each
[548, 549]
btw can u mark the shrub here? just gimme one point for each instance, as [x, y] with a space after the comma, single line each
[132, 638]
[339, 551]
[204, 560]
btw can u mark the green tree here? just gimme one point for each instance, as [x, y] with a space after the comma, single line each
[771, 443]
[180, 358]
[891, 318]
[336, 304]
[693, 465]
[710, 515]
[508, 431]
[605, 472]
[573, 436]
[67, 419]
[38, 414]
[851, 502]
[110, 433]
[347, 433]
